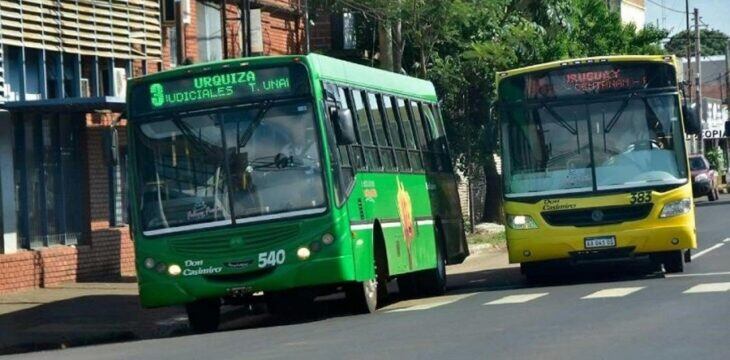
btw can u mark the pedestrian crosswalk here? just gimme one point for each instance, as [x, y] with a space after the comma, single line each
[711, 287]
[516, 299]
[613, 293]
[530, 297]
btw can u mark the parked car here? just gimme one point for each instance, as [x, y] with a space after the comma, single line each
[705, 180]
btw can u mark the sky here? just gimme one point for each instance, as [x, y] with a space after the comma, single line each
[714, 13]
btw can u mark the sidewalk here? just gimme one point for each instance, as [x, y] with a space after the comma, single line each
[80, 314]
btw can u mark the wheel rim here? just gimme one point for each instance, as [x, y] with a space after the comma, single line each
[371, 290]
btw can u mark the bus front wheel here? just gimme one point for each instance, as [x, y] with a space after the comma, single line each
[673, 261]
[204, 315]
[363, 296]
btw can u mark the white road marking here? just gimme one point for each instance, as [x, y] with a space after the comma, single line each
[613, 293]
[422, 306]
[444, 300]
[698, 274]
[703, 252]
[709, 287]
[726, 240]
[516, 299]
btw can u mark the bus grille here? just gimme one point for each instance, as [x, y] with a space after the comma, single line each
[597, 216]
[243, 242]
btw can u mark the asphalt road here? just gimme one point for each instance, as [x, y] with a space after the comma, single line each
[630, 313]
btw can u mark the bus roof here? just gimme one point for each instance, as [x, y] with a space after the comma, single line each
[596, 59]
[322, 68]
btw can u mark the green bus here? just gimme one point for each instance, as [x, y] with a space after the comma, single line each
[291, 177]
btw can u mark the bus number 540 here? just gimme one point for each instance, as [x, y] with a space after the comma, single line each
[271, 258]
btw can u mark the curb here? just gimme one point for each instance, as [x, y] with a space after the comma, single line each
[484, 248]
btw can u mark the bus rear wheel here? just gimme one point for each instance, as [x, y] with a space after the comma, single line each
[204, 315]
[432, 282]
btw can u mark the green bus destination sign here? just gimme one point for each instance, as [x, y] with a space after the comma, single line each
[220, 86]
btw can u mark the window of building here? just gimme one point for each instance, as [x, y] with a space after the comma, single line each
[48, 171]
[210, 44]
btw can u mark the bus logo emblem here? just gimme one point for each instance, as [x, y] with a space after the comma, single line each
[597, 215]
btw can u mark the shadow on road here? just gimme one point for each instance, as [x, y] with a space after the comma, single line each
[80, 321]
[99, 319]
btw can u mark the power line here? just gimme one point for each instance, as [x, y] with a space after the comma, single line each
[666, 7]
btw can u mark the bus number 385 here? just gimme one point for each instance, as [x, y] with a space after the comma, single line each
[271, 258]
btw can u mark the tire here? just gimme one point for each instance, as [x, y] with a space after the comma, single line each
[713, 195]
[363, 296]
[204, 315]
[534, 272]
[408, 286]
[432, 282]
[673, 261]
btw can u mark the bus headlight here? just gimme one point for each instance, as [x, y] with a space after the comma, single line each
[674, 208]
[174, 270]
[521, 222]
[149, 263]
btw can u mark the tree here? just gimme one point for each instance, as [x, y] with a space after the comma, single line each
[713, 42]
[461, 44]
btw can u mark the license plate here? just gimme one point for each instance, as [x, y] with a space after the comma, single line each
[600, 242]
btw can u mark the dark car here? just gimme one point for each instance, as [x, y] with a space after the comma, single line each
[704, 179]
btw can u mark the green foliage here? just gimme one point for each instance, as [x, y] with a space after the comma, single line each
[461, 44]
[716, 158]
[712, 42]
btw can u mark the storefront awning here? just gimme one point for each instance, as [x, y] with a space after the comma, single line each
[86, 104]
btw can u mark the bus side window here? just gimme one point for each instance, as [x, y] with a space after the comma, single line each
[365, 131]
[381, 139]
[441, 143]
[436, 138]
[348, 171]
[356, 150]
[341, 170]
[395, 134]
[409, 131]
[423, 135]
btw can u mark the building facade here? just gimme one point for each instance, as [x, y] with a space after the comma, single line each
[631, 11]
[63, 71]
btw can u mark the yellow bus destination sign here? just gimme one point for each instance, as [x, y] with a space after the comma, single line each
[214, 87]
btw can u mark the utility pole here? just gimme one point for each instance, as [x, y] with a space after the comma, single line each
[688, 78]
[698, 77]
[727, 79]
[307, 31]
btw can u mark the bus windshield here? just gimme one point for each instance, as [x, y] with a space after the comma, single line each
[597, 144]
[243, 164]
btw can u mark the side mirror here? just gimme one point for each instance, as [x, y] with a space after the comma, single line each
[692, 124]
[344, 126]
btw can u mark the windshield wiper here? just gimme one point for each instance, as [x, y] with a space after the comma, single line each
[620, 112]
[561, 121]
[254, 124]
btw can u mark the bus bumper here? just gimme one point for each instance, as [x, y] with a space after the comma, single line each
[158, 290]
[565, 243]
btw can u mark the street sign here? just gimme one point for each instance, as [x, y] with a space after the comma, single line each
[715, 115]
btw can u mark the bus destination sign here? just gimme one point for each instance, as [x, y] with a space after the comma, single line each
[593, 79]
[227, 85]
[615, 79]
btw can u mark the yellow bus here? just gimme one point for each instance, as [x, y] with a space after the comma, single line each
[594, 162]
